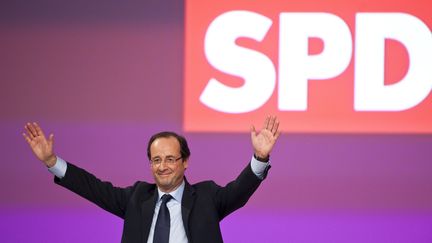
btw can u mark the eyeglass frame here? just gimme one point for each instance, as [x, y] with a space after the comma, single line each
[169, 160]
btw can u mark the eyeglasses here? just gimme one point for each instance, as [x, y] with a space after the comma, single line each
[168, 160]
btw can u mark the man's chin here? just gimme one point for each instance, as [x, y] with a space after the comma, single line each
[164, 182]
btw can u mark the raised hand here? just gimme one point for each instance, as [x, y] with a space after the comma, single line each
[264, 141]
[41, 147]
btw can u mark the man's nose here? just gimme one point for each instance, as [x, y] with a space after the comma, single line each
[162, 165]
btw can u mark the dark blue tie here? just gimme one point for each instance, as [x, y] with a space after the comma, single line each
[162, 228]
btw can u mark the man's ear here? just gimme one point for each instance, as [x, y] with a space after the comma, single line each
[185, 163]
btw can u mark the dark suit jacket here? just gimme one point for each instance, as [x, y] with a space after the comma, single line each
[203, 204]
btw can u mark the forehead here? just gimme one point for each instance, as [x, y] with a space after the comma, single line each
[164, 147]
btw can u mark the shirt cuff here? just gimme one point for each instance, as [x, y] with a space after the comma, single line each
[258, 167]
[59, 169]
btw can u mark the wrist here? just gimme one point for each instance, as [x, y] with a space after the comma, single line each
[50, 161]
[262, 158]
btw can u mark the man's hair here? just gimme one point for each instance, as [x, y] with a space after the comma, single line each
[184, 149]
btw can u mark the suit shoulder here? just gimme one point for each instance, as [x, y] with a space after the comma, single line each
[141, 190]
[142, 185]
[206, 185]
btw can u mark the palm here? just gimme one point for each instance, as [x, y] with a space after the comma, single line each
[41, 147]
[264, 141]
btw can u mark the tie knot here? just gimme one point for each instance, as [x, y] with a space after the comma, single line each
[165, 198]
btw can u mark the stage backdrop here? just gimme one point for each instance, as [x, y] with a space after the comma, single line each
[103, 76]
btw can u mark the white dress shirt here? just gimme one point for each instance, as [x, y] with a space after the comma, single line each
[177, 231]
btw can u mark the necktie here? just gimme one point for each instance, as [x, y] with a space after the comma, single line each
[162, 228]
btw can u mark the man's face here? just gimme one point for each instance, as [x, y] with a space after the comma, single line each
[168, 176]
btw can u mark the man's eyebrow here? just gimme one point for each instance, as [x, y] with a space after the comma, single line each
[157, 156]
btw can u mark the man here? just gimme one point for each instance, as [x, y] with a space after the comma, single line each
[171, 210]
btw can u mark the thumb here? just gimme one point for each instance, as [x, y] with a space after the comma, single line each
[51, 139]
[253, 131]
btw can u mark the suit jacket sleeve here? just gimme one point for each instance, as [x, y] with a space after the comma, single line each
[236, 193]
[103, 194]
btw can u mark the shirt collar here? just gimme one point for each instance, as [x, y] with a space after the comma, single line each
[177, 194]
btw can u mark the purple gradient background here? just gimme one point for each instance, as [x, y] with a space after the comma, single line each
[105, 75]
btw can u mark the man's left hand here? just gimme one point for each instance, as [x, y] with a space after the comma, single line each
[264, 140]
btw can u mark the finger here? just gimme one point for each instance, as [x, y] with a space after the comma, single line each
[38, 130]
[27, 130]
[271, 123]
[266, 122]
[27, 138]
[31, 131]
[275, 128]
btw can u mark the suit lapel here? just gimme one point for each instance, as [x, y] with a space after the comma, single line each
[147, 210]
[188, 201]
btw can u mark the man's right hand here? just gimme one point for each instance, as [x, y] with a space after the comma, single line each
[41, 147]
